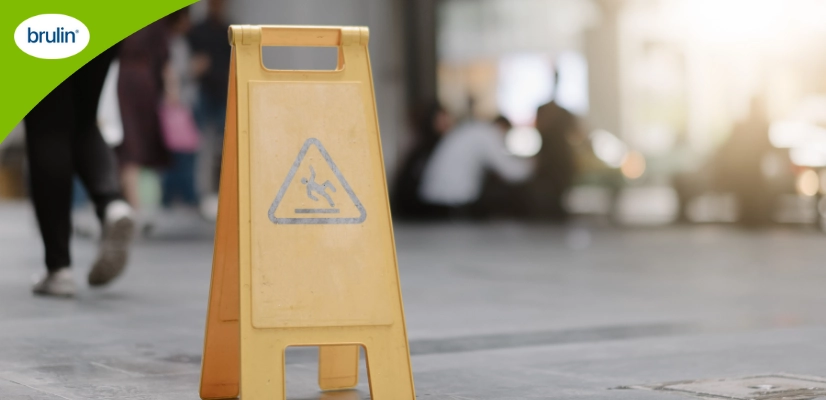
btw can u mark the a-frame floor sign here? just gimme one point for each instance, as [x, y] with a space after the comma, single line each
[304, 249]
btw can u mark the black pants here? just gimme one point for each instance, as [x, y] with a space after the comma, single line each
[62, 139]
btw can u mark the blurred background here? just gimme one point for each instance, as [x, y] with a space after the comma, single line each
[586, 194]
[664, 111]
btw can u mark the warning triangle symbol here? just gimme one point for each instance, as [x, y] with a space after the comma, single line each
[316, 192]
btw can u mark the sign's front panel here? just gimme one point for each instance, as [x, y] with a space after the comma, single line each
[320, 252]
[315, 256]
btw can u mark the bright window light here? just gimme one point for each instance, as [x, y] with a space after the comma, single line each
[523, 141]
[788, 134]
[572, 94]
[633, 166]
[808, 183]
[807, 156]
[608, 148]
[525, 83]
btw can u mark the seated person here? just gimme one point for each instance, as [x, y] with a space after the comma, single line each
[453, 178]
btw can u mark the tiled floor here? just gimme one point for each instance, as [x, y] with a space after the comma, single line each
[499, 311]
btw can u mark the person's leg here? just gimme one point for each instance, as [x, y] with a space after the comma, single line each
[171, 183]
[210, 155]
[50, 128]
[96, 164]
[94, 161]
[188, 193]
[79, 196]
[179, 180]
[168, 184]
[215, 110]
[130, 175]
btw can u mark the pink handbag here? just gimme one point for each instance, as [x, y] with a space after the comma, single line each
[180, 132]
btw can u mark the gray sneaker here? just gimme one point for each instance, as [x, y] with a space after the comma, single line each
[118, 230]
[59, 283]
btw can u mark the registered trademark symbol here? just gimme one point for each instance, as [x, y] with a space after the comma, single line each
[77, 30]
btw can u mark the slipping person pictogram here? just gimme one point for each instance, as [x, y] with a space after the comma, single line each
[313, 186]
[335, 191]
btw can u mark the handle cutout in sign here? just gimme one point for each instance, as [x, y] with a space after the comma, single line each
[300, 58]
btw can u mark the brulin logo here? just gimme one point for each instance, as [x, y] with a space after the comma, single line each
[59, 35]
[51, 36]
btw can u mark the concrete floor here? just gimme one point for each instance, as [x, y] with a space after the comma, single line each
[499, 311]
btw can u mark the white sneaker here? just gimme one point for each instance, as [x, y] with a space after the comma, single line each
[59, 283]
[118, 230]
[209, 207]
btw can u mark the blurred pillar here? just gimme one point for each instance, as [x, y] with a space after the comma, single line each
[420, 50]
[602, 53]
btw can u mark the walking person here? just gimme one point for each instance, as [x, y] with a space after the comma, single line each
[177, 122]
[211, 57]
[62, 139]
[143, 56]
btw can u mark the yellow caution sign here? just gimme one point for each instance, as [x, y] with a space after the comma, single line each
[304, 250]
